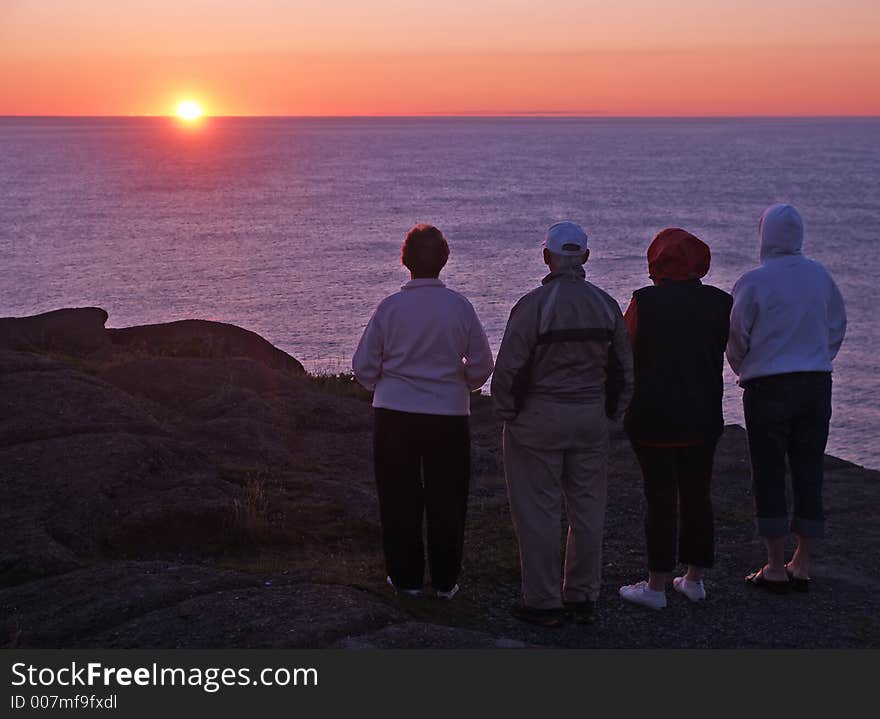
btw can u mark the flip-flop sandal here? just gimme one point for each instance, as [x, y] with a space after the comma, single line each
[757, 579]
[799, 584]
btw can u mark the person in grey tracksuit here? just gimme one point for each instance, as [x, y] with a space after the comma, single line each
[564, 368]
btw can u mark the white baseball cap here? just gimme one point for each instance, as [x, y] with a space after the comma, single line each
[566, 238]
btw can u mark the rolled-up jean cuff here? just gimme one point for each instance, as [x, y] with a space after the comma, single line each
[773, 527]
[810, 528]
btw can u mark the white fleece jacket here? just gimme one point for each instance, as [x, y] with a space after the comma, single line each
[423, 351]
[788, 314]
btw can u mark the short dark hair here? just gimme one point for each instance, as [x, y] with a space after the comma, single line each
[425, 251]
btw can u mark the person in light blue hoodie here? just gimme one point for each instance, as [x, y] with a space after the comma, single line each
[786, 327]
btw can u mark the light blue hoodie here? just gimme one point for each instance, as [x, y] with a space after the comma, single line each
[788, 314]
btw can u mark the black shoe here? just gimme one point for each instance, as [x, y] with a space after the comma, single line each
[548, 618]
[581, 612]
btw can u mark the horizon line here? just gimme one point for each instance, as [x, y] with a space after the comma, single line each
[474, 115]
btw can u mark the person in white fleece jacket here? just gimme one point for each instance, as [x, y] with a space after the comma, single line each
[422, 353]
[786, 327]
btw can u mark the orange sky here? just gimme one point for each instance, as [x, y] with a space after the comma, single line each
[364, 57]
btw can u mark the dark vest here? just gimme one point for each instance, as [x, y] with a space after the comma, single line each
[678, 358]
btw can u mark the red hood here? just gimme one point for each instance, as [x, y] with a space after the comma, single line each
[677, 255]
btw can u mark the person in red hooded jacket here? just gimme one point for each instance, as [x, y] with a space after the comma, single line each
[678, 329]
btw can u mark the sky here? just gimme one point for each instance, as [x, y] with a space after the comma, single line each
[426, 57]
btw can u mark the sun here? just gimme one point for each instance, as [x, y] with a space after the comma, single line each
[189, 110]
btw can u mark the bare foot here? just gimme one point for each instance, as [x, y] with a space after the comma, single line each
[775, 575]
[795, 571]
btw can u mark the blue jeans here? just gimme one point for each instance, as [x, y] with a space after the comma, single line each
[787, 416]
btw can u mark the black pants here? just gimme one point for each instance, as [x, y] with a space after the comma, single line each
[678, 483]
[422, 464]
[787, 415]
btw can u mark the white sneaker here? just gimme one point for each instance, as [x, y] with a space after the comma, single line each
[448, 595]
[408, 592]
[641, 593]
[695, 591]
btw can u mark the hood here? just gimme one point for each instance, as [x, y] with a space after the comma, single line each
[782, 231]
[677, 255]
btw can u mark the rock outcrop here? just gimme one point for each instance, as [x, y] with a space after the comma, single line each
[203, 338]
[187, 485]
[72, 331]
[80, 331]
[115, 449]
[87, 472]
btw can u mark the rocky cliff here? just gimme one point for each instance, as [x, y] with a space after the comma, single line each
[188, 484]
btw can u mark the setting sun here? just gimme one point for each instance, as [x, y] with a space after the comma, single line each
[189, 110]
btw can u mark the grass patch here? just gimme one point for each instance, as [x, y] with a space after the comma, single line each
[251, 521]
[342, 384]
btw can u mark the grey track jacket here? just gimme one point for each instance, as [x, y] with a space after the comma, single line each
[566, 343]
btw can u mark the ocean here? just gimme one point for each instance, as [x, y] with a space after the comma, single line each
[292, 227]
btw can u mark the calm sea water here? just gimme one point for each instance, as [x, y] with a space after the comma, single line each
[292, 227]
